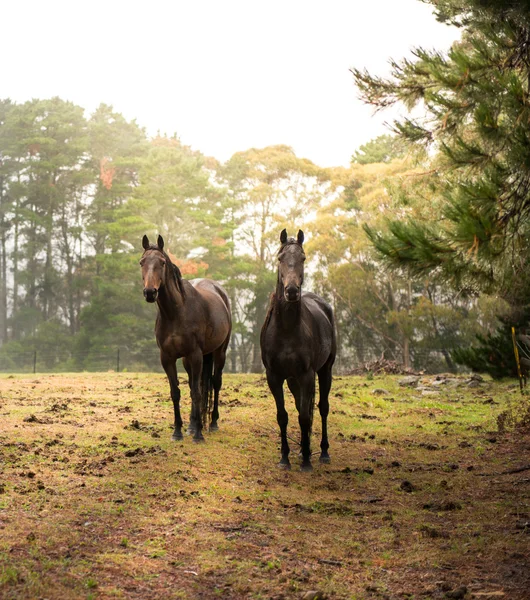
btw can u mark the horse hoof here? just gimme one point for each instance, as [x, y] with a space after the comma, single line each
[306, 467]
[177, 436]
[214, 427]
[199, 440]
[325, 459]
[285, 465]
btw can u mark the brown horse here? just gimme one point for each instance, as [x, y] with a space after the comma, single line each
[193, 323]
[298, 342]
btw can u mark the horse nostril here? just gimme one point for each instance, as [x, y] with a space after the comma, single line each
[150, 294]
[292, 293]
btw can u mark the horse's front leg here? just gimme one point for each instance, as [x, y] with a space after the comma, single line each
[305, 416]
[324, 386]
[276, 387]
[170, 367]
[194, 368]
[219, 357]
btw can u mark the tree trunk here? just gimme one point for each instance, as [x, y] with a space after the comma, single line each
[15, 272]
[406, 353]
[390, 352]
[31, 267]
[69, 259]
[3, 282]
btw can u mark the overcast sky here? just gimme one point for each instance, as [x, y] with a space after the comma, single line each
[225, 75]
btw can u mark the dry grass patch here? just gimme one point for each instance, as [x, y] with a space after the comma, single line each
[96, 500]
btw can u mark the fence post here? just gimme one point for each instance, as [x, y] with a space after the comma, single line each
[516, 352]
[34, 361]
[118, 362]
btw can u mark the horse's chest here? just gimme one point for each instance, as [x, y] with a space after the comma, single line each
[290, 358]
[174, 343]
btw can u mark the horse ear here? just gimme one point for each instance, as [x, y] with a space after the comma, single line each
[283, 236]
[300, 237]
[160, 242]
[145, 242]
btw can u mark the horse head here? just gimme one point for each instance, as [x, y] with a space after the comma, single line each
[291, 259]
[153, 265]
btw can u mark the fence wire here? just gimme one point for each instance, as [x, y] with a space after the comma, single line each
[124, 360]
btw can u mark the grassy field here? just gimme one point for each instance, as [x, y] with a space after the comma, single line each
[424, 498]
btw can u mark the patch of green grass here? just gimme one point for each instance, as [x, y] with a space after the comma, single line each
[91, 583]
[9, 575]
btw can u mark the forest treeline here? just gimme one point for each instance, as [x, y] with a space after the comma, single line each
[78, 191]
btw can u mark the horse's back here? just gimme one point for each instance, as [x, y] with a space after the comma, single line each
[209, 287]
[217, 307]
[318, 306]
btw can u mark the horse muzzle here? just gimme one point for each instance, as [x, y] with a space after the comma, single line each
[292, 293]
[150, 294]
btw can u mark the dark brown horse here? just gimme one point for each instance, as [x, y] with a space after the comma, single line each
[298, 342]
[193, 323]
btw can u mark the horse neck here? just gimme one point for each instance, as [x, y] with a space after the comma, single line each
[170, 300]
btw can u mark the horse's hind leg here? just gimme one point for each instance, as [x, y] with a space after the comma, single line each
[324, 384]
[219, 357]
[194, 417]
[276, 387]
[170, 367]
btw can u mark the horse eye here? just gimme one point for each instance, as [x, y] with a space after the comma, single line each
[162, 262]
[142, 262]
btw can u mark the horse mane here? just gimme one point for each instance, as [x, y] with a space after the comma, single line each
[170, 258]
[272, 305]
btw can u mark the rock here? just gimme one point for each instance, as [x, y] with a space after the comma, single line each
[31, 419]
[457, 594]
[380, 392]
[433, 533]
[454, 383]
[410, 381]
[445, 505]
[314, 595]
[430, 393]
[406, 486]
[473, 384]
[523, 525]
[437, 382]
[135, 452]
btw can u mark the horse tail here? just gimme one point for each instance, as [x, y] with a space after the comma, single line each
[207, 387]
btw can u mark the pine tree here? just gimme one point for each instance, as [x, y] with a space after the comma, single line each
[477, 109]
[382, 149]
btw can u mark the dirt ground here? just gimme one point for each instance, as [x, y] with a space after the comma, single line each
[427, 495]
